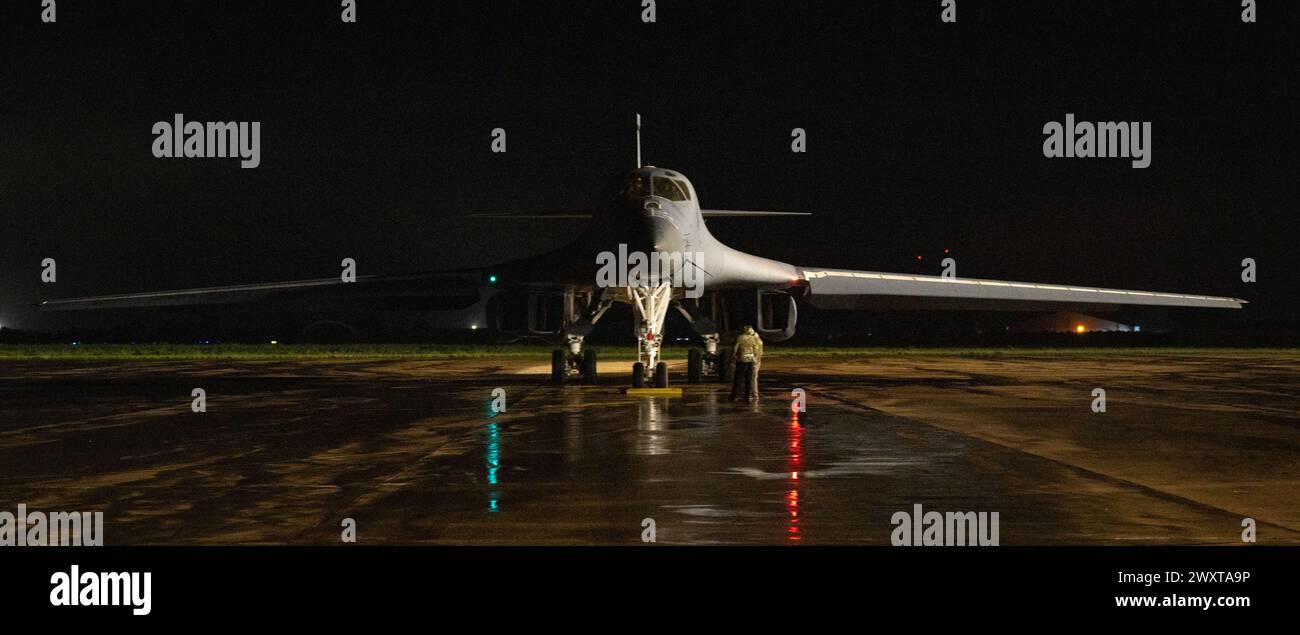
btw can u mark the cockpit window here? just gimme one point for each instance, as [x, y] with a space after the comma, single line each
[671, 189]
[634, 187]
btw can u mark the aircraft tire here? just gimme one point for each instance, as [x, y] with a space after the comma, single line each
[661, 375]
[638, 375]
[589, 366]
[725, 368]
[557, 366]
[694, 365]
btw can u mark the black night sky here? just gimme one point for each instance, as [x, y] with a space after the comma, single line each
[921, 136]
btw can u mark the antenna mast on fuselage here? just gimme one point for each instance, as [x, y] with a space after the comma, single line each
[638, 140]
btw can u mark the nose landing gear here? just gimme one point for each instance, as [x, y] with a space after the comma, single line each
[651, 307]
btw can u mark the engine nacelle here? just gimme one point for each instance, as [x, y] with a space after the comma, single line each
[525, 312]
[535, 311]
[776, 316]
[773, 314]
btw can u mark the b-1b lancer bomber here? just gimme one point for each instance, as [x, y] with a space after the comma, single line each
[647, 245]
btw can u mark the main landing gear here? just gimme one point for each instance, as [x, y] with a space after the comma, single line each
[573, 361]
[650, 308]
[707, 363]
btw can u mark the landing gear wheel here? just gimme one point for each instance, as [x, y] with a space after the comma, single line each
[694, 365]
[661, 375]
[557, 366]
[638, 375]
[725, 368]
[589, 366]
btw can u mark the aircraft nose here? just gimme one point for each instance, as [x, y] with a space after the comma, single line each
[664, 234]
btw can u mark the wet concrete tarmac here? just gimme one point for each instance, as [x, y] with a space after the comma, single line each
[1190, 444]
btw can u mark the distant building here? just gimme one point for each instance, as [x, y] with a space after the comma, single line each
[1068, 322]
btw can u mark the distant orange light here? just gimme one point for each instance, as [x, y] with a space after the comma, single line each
[1078, 329]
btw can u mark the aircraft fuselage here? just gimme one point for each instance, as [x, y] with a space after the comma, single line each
[654, 210]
